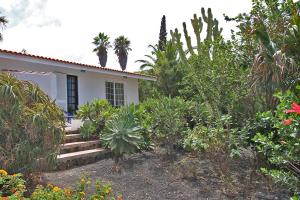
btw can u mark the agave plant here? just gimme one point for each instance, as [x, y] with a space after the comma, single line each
[102, 44]
[123, 133]
[121, 47]
[3, 22]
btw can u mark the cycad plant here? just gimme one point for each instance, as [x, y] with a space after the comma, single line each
[102, 44]
[123, 133]
[3, 22]
[31, 125]
[94, 115]
[121, 47]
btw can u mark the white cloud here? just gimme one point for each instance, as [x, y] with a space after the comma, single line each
[64, 29]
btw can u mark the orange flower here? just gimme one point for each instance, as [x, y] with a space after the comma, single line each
[120, 197]
[287, 122]
[295, 108]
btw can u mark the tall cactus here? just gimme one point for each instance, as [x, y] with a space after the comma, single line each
[176, 38]
[212, 33]
[197, 26]
[188, 39]
[209, 21]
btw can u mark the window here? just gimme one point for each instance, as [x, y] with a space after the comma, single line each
[72, 94]
[115, 93]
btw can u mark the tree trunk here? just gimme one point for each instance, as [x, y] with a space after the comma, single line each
[123, 61]
[102, 58]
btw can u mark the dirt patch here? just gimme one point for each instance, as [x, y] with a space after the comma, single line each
[147, 176]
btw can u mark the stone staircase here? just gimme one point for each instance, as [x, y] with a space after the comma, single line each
[76, 151]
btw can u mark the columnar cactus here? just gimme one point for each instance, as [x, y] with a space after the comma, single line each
[212, 33]
[176, 38]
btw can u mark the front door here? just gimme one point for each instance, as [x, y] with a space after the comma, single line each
[72, 94]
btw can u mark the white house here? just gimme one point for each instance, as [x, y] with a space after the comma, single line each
[73, 84]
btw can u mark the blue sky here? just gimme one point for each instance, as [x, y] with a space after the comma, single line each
[64, 29]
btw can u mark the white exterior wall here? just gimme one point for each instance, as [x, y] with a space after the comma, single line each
[91, 85]
[47, 82]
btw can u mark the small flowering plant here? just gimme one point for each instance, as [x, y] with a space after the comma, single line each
[12, 186]
[281, 146]
[51, 192]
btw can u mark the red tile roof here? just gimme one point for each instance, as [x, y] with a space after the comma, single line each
[74, 63]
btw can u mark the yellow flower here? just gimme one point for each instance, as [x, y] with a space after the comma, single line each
[14, 175]
[3, 172]
[108, 190]
[56, 189]
[82, 193]
[50, 186]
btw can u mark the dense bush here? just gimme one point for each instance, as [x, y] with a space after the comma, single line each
[213, 137]
[167, 119]
[94, 115]
[122, 132]
[31, 125]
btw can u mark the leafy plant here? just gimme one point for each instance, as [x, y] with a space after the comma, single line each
[213, 137]
[281, 145]
[123, 133]
[121, 47]
[102, 44]
[94, 115]
[31, 125]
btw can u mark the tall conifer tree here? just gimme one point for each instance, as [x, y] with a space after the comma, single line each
[162, 34]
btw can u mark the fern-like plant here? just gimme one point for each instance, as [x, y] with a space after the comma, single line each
[123, 133]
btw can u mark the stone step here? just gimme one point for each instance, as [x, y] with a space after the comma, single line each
[79, 146]
[73, 159]
[71, 131]
[72, 138]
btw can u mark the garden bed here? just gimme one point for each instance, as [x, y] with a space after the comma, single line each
[148, 176]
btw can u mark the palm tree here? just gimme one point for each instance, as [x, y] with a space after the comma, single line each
[164, 64]
[3, 22]
[102, 44]
[121, 47]
[273, 69]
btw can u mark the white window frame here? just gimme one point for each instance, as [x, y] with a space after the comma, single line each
[114, 88]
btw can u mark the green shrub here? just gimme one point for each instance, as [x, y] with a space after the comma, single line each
[123, 132]
[213, 136]
[281, 145]
[94, 115]
[168, 121]
[31, 125]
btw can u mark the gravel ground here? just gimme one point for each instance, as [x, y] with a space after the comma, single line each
[149, 177]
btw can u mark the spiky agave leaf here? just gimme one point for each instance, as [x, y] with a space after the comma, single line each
[122, 132]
